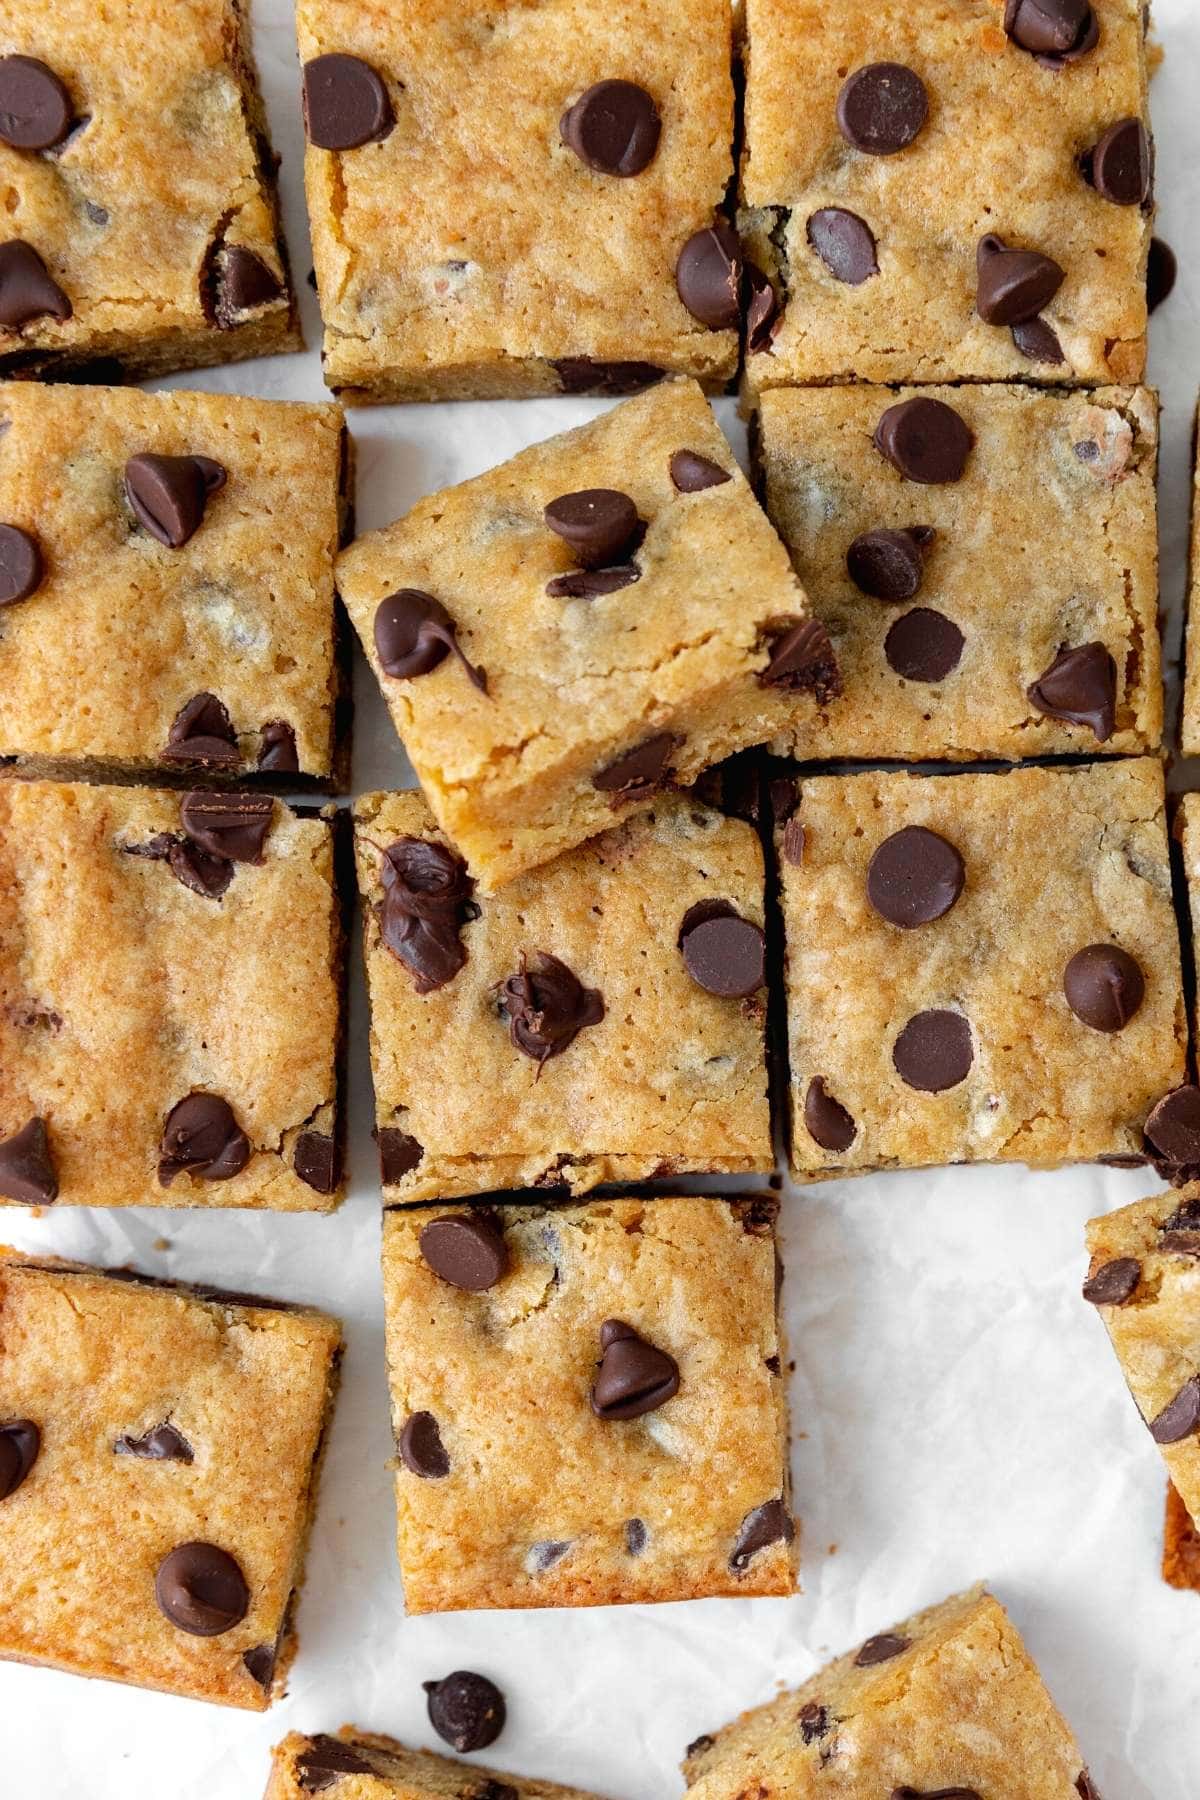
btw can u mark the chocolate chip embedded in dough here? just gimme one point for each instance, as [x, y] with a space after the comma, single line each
[1039, 342]
[421, 1449]
[924, 645]
[1120, 166]
[202, 1137]
[1114, 1282]
[277, 748]
[826, 1120]
[426, 901]
[229, 825]
[770, 1523]
[466, 1249]
[1161, 272]
[880, 1649]
[1056, 32]
[691, 473]
[638, 772]
[27, 289]
[168, 495]
[316, 1162]
[1104, 986]
[35, 108]
[925, 440]
[613, 127]
[889, 565]
[722, 952]
[934, 1051]
[708, 276]
[414, 634]
[548, 1006]
[1013, 285]
[27, 1173]
[598, 525]
[324, 1759]
[20, 1441]
[881, 108]
[845, 244]
[243, 282]
[914, 877]
[202, 732]
[162, 1443]
[1180, 1418]
[634, 1376]
[1080, 687]
[201, 1589]
[346, 103]
[21, 566]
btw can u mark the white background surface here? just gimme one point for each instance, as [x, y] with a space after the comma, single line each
[957, 1412]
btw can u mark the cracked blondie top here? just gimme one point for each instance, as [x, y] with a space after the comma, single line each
[601, 1019]
[606, 613]
[353, 1762]
[159, 1455]
[1008, 612]
[543, 222]
[980, 967]
[964, 192]
[588, 1403]
[948, 1703]
[169, 1000]
[141, 228]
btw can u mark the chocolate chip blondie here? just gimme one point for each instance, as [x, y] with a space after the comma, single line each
[169, 1000]
[948, 1705]
[1189, 718]
[563, 168]
[601, 1019]
[980, 967]
[607, 613]
[309, 1765]
[166, 584]
[956, 635]
[965, 192]
[159, 1454]
[588, 1403]
[142, 233]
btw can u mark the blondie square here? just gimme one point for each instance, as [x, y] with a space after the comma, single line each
[588, 1403]
[942, 193]
[1189, 722]
[142, 233]
[1009, 611]
[303, 1765]
[601, 1019]
[166, 583]
[159, 1455]
[608, 612]
[948, 1703]
[980, 967]
[169, 1000]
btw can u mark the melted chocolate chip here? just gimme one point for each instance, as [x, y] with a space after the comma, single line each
[192, 867]
[691, 472]
[346, 103]
[421, 1448]
[201, 1589]
[770, 1523]
[20, 1441]
[414, 634]
[277, 751]
[1180, 1234]
[1055, 31]
[259, 1664]
[20, 564]
[163, 1443]
[1114, 1282]
[926, 440]
[934, 1051]
[637, 773]
[845, 244]
[319, 1765]
[1180, 1418]
[880, 1649]
[1013, 285]
[592, 584]
[634, 1376]
[599, 525]
[466, 1710]
[466, 1249]
[1080, 686]
[826, 1119]
[708, 276]
[27, 289]
[1038, 341]
[890, 565]
[426, 901]
[399, 1154]
[202, 1137]
[881, 108]
[924, 645]
[243, 282]
[802, 660]
[1172, 1133]
[316, 1162]
[613, 127]
[169, 494]
[27, 1172]
[582, 375]
[547, 1006]
[763, 317]
[35, 107]
[1104, 986]
[202, 732]
[914, 877]
[1161, 272]
[1120, 167]
[722, 952]
[233, 826]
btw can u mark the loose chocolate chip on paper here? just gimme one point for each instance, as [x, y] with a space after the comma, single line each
[315, 1160]
[1104, 986]
[200, 1588]
[1161, 272]
[202, 732]
[466, 1249]
[634, 1376]
[169, 494]
[277, 750]
[599, 525]
[845, 244]
[1121, 166]
[20, 564]
[399, 1154]
[722, 952]
[547, 1006]
[466, 1710]
[708, 276]
[763, 316]
[202, 1137]
[234, 826]
[162, 1443]
[414, 634]
[1114, 1282]
[20, 1441]
[925, 440]
[691, 473]
[890, 565]
[243, 283]
[637, 773]
[881, 108]
[1013, 285]
[1181, 1417]
[27, 289]
[770, 1523]
[1172, 1131]
[880, 1649]
[346, 103]
[802, 660]
[1038, 341]
[426, 901]
[613, 127]
[324, 1759]
[27, 1172]
[583, 375]
[1080, 686]
[924, 645]
[593, 584]
[421, 1449]
[934, 1051]
[35, 107]
[1055, 31]
[826, 1119]
[914, 877]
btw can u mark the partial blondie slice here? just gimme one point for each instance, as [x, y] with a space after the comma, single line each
[606, 613]
[601, 1019]
[166, 579]
[301, 1766]
[142, 228]
[1002, 607]
[588, 1403]
[981, 967]
[1189, 720]
[159, 1454]
[947, 1703]
[965, 192]
[170, 973]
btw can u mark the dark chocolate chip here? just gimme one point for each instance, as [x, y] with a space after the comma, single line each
[243, 282]
[1114, 1282]
[722, 952]
[1120, 166]
[421, 1447]
[613, 127]
[345, 103]
[793, 843]
[201, 1589]
[1180, 1234]
[691, 472]
[802, 660]
[163, 1443]
[1080, 686]
[35, 107]
[316, 1161]
[637, 773]
[545, 1553]
[27, 289]
[466, 1249]
[399, 1154]
[889, 565]
[914, 877]
[1161, 272]
[202, 732]
[924, 645]
[547, 1006]
[168, 494]
[1104, 986]
[26, 1166]
[699, 1746]
[259, 1664]
[466, 1710]
[1180, 1417]
[880, 1649]
[1013, 285]
[426, 901]
[934, 1051]
[763, 317]
[20, 1441]
[1172, 1130]
[234, 826]
[202, 1137]
[1085, 1787]
[599, 525]
[826, 1119]
[324, 1759]
[770, 1523]
[20, 564]
[845, 244]
[1038, 341]
[881, 108]
[814, 1721]
[1055, 31]
[581, 375]
[636, 1536]
[634, 1376]
[925, 439]
[194, 868]
[277, 750]
[593, 584]
[414, 634]
[708, 276]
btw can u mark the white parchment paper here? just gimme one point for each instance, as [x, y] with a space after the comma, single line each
[957, 1412]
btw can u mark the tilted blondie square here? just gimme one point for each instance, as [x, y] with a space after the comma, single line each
[601, 1019]
[166, 583]
[170, 972]
[562, 166]
[980, 967]
[964, 193]
[588, 1403]
[159, 1454]
[142, 232]
[947, 1703]
[1005, 608]
[608, 612]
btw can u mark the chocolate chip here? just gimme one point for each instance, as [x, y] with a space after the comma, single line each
[1172, 1130]
[399, 1154]
[1038, 341]
[1013, 285]
[1055, 31]
[925, 439]
[637, 773]
[345, 103]
[20, 1441]
[466, 1249]
[1086, 1788]
[708, 276]
[1180, 1417]
[636, 1536]
[802, 660]
[691, 472]
[163, 1443]
[547, 1006]
[600, 525]
[277, 750]
[889, 565]
[259, 1664]
[426, 901]
[914, 877]
[1114, 1282]
[202, 732]
[582, 375]
[421, 1447]
[950, 1793]
[770, 1523]
[168, 494]
[1161, 272]
[325, 1758]
[316, 1161]
[201, 1589]
[26, 1167]
[202, 1136]
[826, 1119]
[613, 127]
[924, 645]
[466, 1710]
[243, 282]
[20, 564]
[35, 107]
[845, 244]
[1104, 986]
[1120, 166]
[544, 1554]
[880, 1649]
[194, 868]
[234, 826]
[814, 1721]
[27, 289]
[699, 1746]
[414, 634]
[763, 317]
[1180, 1234]
[881, 108]
[1080, 686]
[934, 1051]
[722, 952]
[793, 843]
[592, 584]
[634, 1376]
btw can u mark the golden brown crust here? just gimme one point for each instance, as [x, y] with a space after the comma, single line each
[1181, 1544]
[398, 1773]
